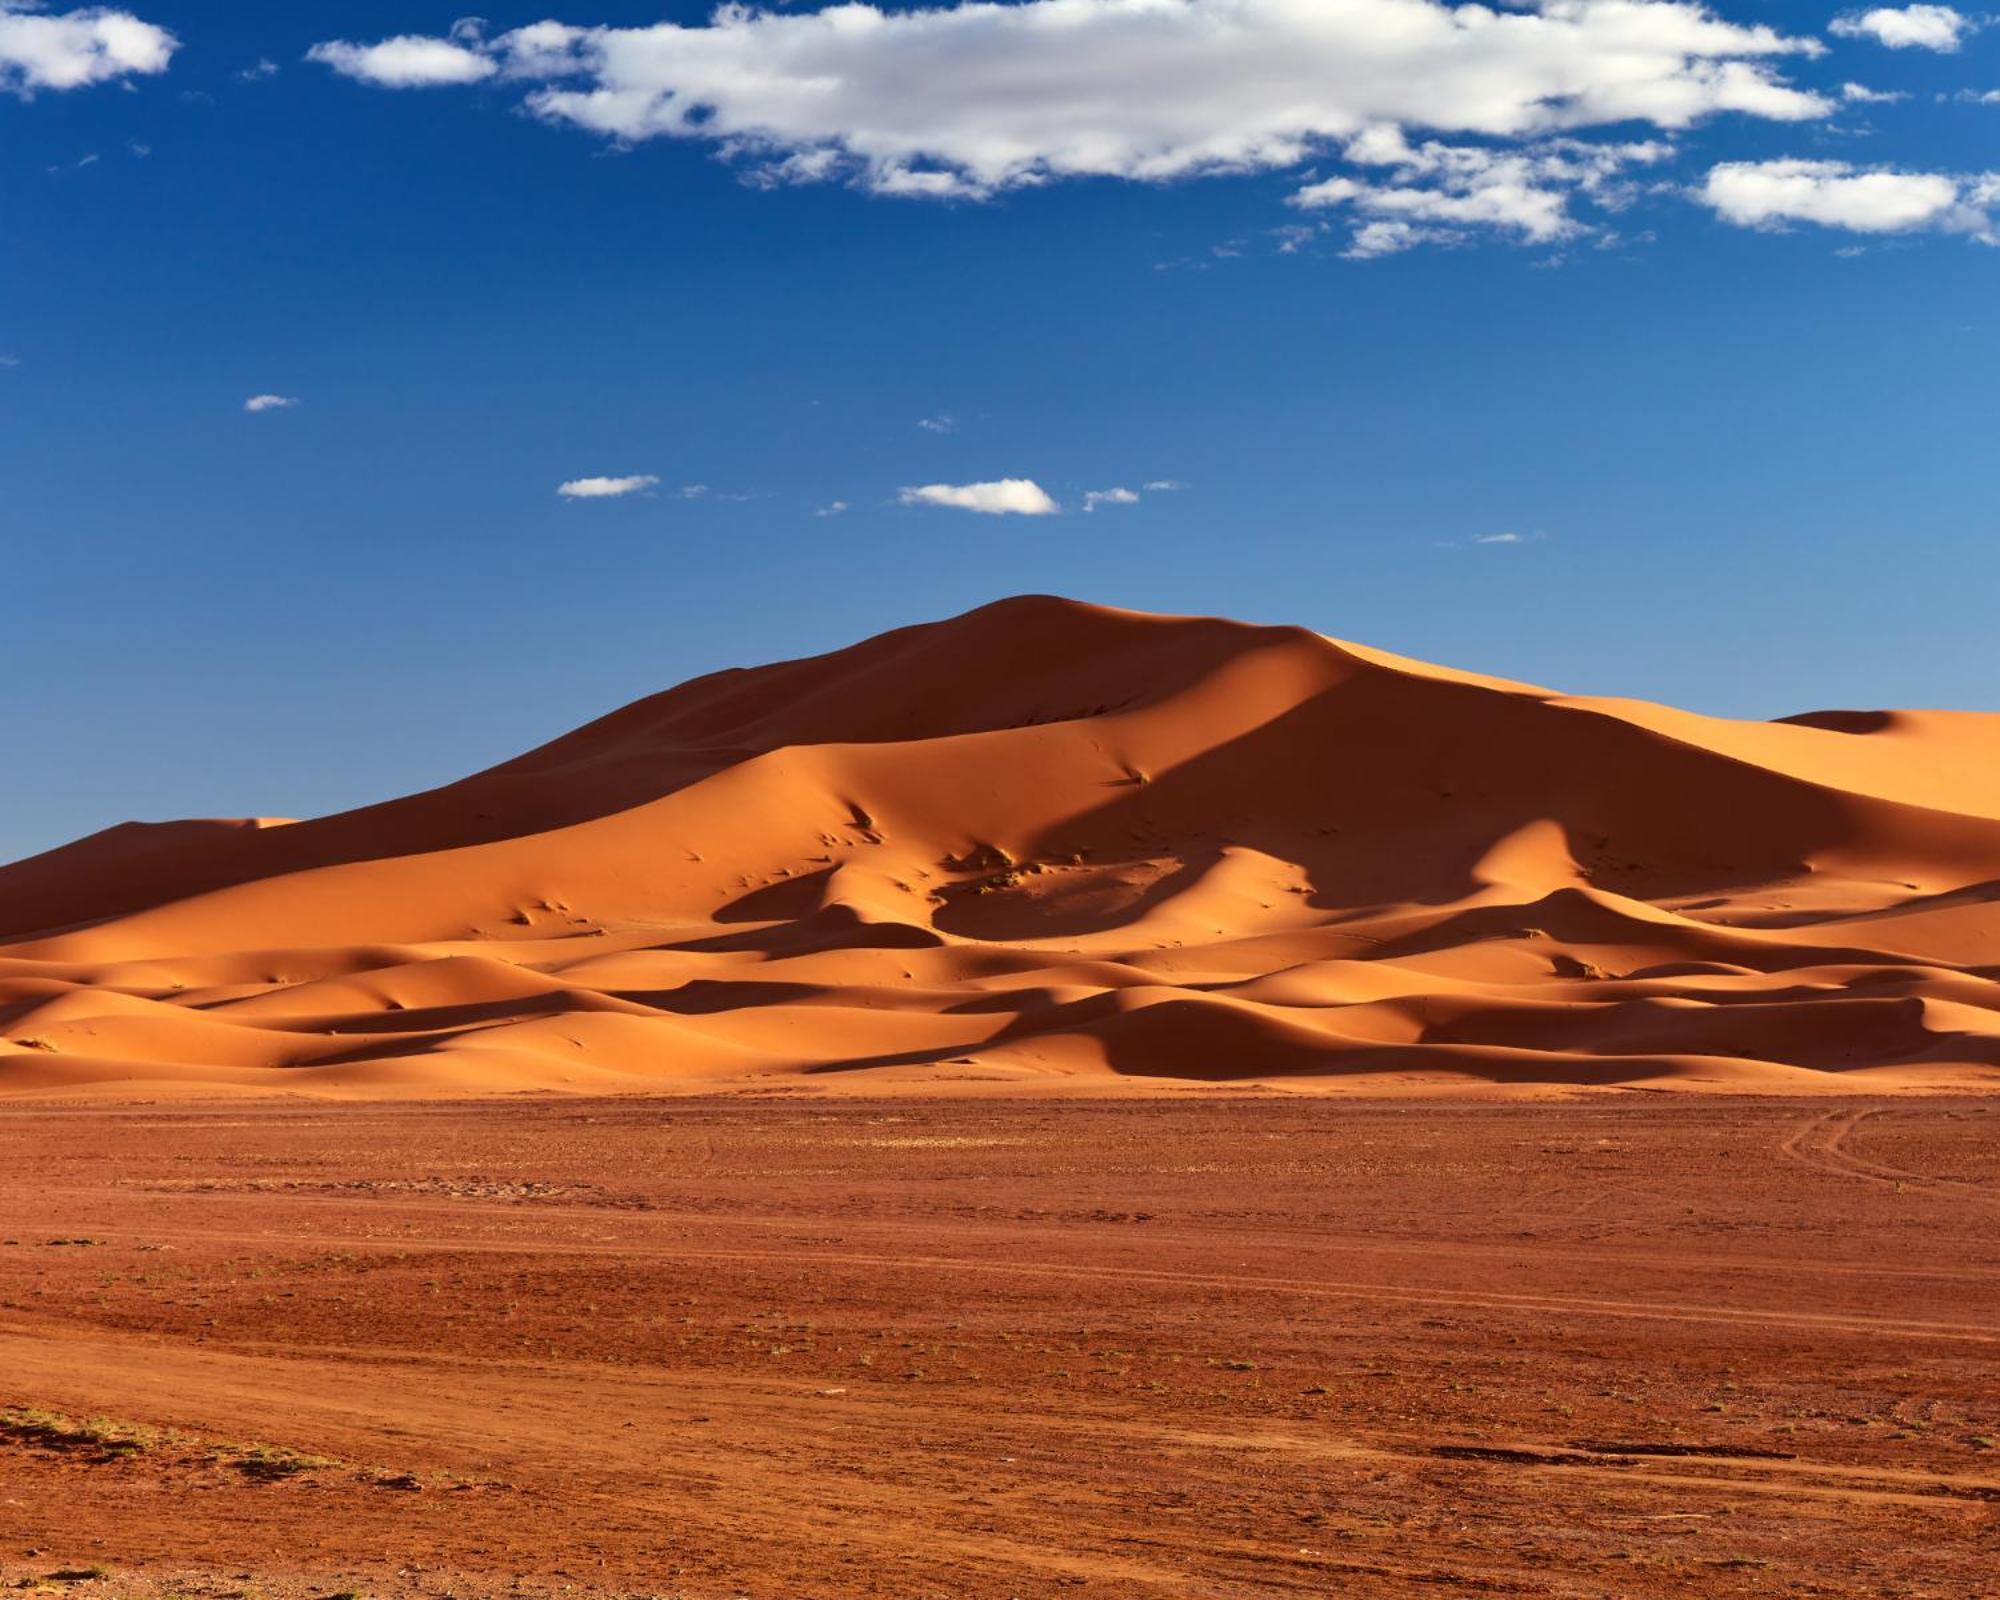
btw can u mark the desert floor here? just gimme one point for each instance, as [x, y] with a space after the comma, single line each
[768, 1346]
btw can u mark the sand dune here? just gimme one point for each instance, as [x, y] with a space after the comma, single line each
[1048, 844]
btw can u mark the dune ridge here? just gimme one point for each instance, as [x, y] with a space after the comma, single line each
[1052, 845]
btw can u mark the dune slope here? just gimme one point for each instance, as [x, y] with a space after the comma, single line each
[1049, 844]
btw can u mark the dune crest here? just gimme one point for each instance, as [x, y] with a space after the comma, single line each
[1046, 844]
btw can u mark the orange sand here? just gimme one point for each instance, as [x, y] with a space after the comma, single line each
[1050, 845]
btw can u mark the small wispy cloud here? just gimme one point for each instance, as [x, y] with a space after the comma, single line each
[1439, 193]
[409, 61]
[701, 491]
[938, 424]
[1505, 539]
[1121, 496]
[264, 68]
[1859, 94]
[832, 508]
[270, 402]
[1021, 497]
[607, 488]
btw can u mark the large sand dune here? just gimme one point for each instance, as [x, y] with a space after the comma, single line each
[1047, 843]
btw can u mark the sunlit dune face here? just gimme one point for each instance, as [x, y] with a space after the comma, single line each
[1047, 844]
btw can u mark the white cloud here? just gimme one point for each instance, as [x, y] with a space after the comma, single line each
[1907, 27]
[1440, 191]
[1165, 486]
[1834, 194]
[1019, 496]
[72, 49]
[265, 68]
[969, 99]
[1374, 239]
[408, 61]
[832, 508]
[1861, 95]
[938, 424]
[606, 488]
[1503, 540]
[270, 402]
[1093, 498]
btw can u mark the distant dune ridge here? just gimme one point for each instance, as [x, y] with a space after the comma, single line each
[1050, 845]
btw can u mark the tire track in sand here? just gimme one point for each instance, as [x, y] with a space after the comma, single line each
[1821, 1143]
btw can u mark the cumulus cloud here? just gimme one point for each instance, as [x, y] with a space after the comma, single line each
[606, 488]
[970, 99]
[1439, 193]
[1016, 496]
[409, 61]
[832, 508]
[938, 424]
[1860, 94]
[270, 402]
[72, 49]
[1907, 27]
[1835, 194]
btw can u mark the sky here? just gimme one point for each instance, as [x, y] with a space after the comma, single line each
[385, 391]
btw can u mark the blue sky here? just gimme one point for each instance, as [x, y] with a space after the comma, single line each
[1611, 344]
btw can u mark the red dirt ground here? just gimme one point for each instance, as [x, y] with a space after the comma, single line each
[756, 1346]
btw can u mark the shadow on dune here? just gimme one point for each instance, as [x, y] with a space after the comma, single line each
[450, 1019]
[1388, 788]
[830, 928]
[703, 997]
[1075, 910]
[1842, 721]
[1036, 659]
